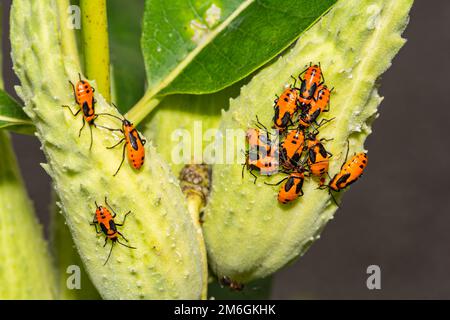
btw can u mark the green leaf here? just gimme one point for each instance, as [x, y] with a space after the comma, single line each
[128, 71]
[206, 46]
[249, 234]
[12, 115]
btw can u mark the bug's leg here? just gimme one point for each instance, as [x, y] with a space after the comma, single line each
[74, 91]
[144, 142]
[276, 99]
[324, 121]
[106, 241]
[114, 212]
[124, 218]
[122, 236]
[276, 184]
[295, 81]
[323, 77]
[82, 127]
[121, 162]
[92, 138]
[346, 154]
[329, 103]
[125, 245]
[253, 174]
[94, 223]
[112, 147]
[110, 251]
[73, 113]
[334, 199]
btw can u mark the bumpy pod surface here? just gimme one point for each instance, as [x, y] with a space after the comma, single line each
[25, 267]
[250, 235]
[167, 263]
[73, 283]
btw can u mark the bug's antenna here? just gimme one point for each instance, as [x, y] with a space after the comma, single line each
[111, 115]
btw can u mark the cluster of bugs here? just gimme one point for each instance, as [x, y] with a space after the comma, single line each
[297, 151]
[133, 145]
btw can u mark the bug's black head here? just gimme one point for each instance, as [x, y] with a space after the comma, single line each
[126, 123]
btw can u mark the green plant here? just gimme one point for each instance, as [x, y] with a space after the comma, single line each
[196, 58]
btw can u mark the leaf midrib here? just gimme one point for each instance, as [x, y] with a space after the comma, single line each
[191, 55]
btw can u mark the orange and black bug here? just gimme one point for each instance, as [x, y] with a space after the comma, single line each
[350, 171]
[292, 148]
[266, 164]
[84, 97]
[258, 139]
[233, 285]
[292, 186]
[318, 156]
[321, 99]
[108, 227]
[312, 79]
[285, 107]
[134, 144]
[319, 104]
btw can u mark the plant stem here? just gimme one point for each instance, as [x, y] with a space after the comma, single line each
[68, 40]
[142, 108]
[94, 35]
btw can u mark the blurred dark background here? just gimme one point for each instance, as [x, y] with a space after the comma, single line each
[398, 216]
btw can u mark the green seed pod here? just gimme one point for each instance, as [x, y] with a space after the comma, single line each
[180, 126]
[167, 261]
[25, 266]
[250, 235]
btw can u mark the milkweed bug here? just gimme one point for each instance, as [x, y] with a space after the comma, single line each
[258, 140]
[134, 144]
[312, 79]
[292, 148]
[266, 164]
[108, 227]
[291, 186]
[318, 157]
[311, 112]
[233, 285]
[84, 97]
[285, 107]
[321, 99]
[351, 171]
